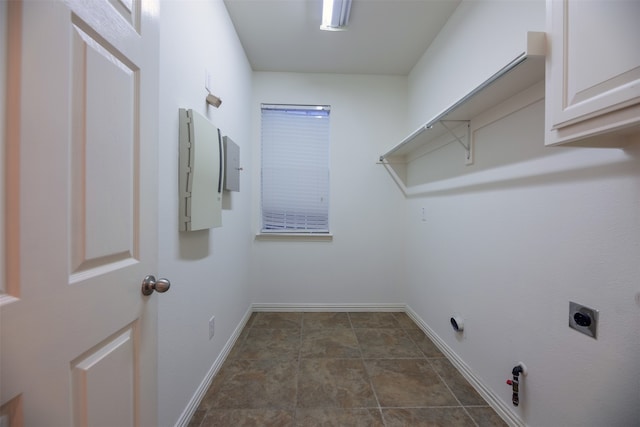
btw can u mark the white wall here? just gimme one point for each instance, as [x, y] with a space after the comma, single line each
[208, 269]
[480, 37]
[361, 264]
[509, 241]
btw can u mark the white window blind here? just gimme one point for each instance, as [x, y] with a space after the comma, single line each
[295, 169]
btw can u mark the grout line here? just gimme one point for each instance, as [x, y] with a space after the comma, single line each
[453, 394]
[422, 407]
[424, 356]
[297, 390]
[364, 365]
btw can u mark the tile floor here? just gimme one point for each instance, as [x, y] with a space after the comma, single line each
[339, 369]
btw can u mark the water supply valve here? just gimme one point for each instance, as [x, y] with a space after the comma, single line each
[520, 368]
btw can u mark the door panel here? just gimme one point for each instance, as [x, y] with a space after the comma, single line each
[104, 383]
[79, 339]
[129, 10]
[104, 144]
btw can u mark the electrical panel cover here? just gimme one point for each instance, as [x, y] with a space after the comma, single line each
[201, 172]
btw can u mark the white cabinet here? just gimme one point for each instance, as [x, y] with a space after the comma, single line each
[592, 71]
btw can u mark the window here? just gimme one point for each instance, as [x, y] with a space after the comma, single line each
[295, 169]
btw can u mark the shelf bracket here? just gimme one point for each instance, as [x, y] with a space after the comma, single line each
[467, 145]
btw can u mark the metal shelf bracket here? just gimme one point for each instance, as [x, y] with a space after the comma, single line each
[467, 145]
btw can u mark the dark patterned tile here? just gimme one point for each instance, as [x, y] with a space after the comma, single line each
[386, 343]
[330, 417]
[248, 418]
[408, 383]
[262, 382]
[251, 319]
[238, 344]
[334, 383]
[284, 320]
[235, 350]
[405, 321]
[196, 419]
[373, 320]
[456, 382]
[485, 416]
[424, 343]
[426, 417]
[330, 343]
[325, 321]
[251, 384]
[270, 344]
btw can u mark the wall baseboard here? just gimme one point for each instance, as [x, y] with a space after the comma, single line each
[197, 397]
[487, 394]
[329, 307]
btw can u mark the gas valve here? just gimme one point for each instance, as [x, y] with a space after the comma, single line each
[520, 368]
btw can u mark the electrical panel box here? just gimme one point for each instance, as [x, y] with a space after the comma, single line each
[201, 172]
[231, 165]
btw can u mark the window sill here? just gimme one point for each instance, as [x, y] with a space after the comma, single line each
[312, 237]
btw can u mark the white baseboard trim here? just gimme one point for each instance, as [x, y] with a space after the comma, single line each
[193, 404]
[502, 409]
[329, 307]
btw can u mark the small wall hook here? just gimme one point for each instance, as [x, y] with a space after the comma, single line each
[213, 100]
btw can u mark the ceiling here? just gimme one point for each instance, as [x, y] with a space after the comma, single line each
[383, 37]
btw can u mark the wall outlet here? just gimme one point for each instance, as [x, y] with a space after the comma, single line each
[583, 319]
[423, 214]
[212, 327]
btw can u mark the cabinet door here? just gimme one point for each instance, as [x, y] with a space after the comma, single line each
[593, 68]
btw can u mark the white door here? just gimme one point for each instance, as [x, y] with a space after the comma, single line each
[78, 343]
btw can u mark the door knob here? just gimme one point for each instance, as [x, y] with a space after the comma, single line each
[150, 284]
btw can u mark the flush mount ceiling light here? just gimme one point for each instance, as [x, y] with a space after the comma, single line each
[335, 15]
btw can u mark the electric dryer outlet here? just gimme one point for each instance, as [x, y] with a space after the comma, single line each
[583, 319]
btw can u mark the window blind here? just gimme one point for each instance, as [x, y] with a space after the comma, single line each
[295, 169]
